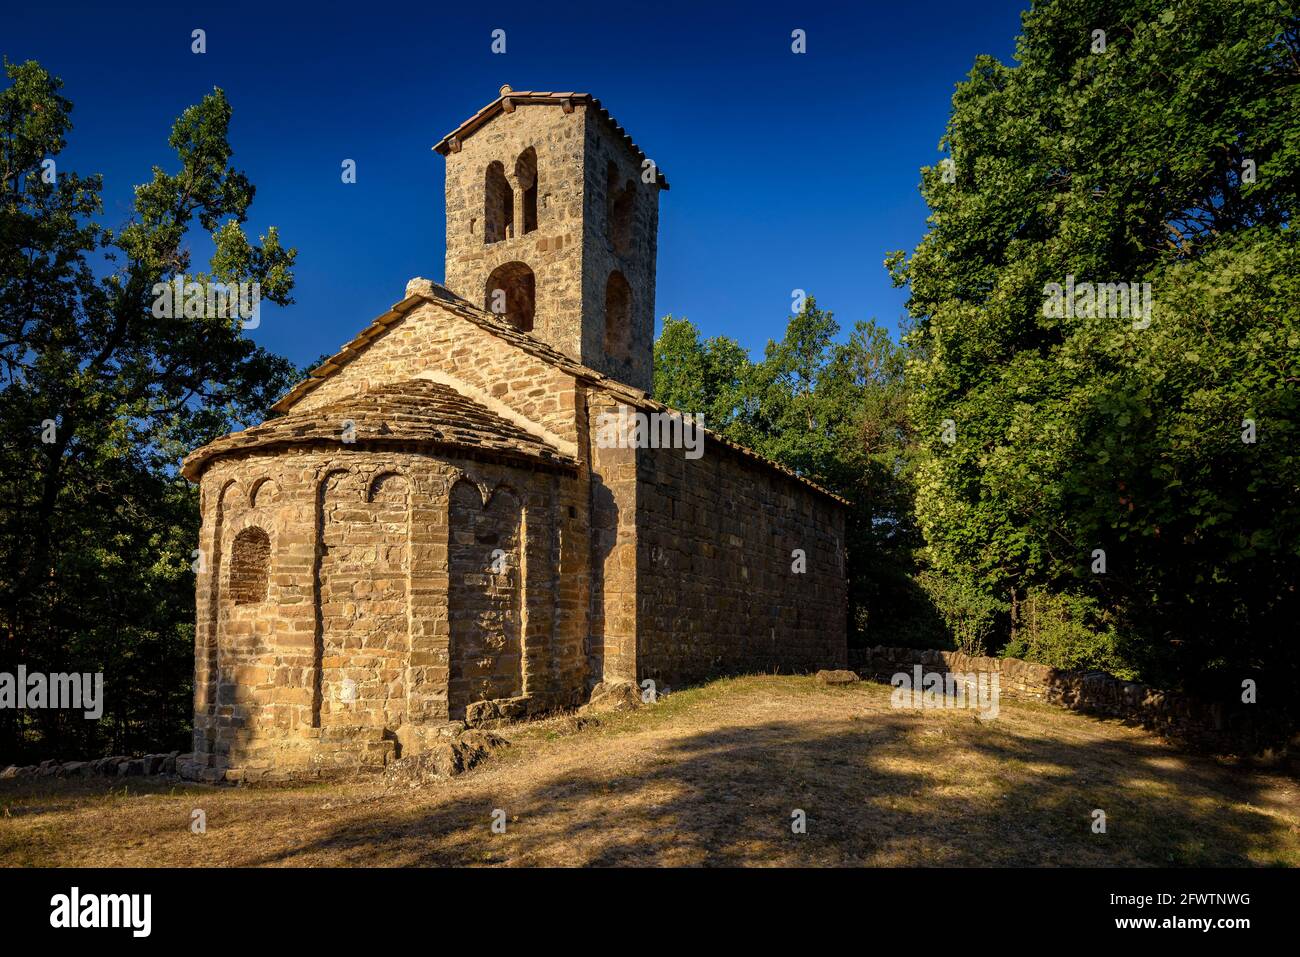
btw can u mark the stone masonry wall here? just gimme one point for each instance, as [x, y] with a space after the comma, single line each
[611, 651]
[486, 600]
[553, 250]
[349, 657]
[716, 590]
[603, 256]
[1220, 726]
[363, 573]
[572, 252]
[471, 359]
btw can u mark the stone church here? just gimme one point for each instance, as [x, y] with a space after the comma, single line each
[432, 531]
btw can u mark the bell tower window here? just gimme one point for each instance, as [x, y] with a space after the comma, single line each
[620, 206]
[511, 294]
[618, 317]
[526, 177]
[498, 205]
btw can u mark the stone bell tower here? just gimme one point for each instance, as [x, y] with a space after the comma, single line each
[552, 221]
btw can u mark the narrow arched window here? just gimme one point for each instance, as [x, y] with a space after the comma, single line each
[511, 294]
[250, 562]
[620, 207]
[498, 205]
[526, 177]
[618, 317]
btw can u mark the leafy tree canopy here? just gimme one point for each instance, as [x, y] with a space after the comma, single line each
[1162, 150]
[99, 398]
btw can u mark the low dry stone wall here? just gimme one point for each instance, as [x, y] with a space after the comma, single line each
[118, 766]
[1214, 725]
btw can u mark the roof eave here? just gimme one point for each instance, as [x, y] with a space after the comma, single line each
[197, 462]
[629, 393]
[348, 351]
[451, 142]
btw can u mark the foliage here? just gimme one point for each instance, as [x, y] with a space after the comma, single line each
[835, 412]
[96, 527]
[969, 616]
[705, 377]
[1083, 433]
[1068, 631]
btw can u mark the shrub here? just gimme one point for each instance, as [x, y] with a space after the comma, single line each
[1068, 631]
[969, 616]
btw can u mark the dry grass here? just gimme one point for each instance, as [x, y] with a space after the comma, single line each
[709, 777]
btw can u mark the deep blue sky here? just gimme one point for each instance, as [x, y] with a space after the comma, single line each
[787, 171]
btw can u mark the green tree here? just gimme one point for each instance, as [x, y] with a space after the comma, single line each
[704, 377]
[1170, 157]
[836, 413]
[99, 397]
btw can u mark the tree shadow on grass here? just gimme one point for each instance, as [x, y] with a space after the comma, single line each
[891, 788]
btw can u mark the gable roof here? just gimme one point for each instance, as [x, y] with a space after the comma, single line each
[420, 291]
[415, 412]
[509, 99]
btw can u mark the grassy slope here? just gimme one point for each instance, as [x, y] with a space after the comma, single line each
[710, 776]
